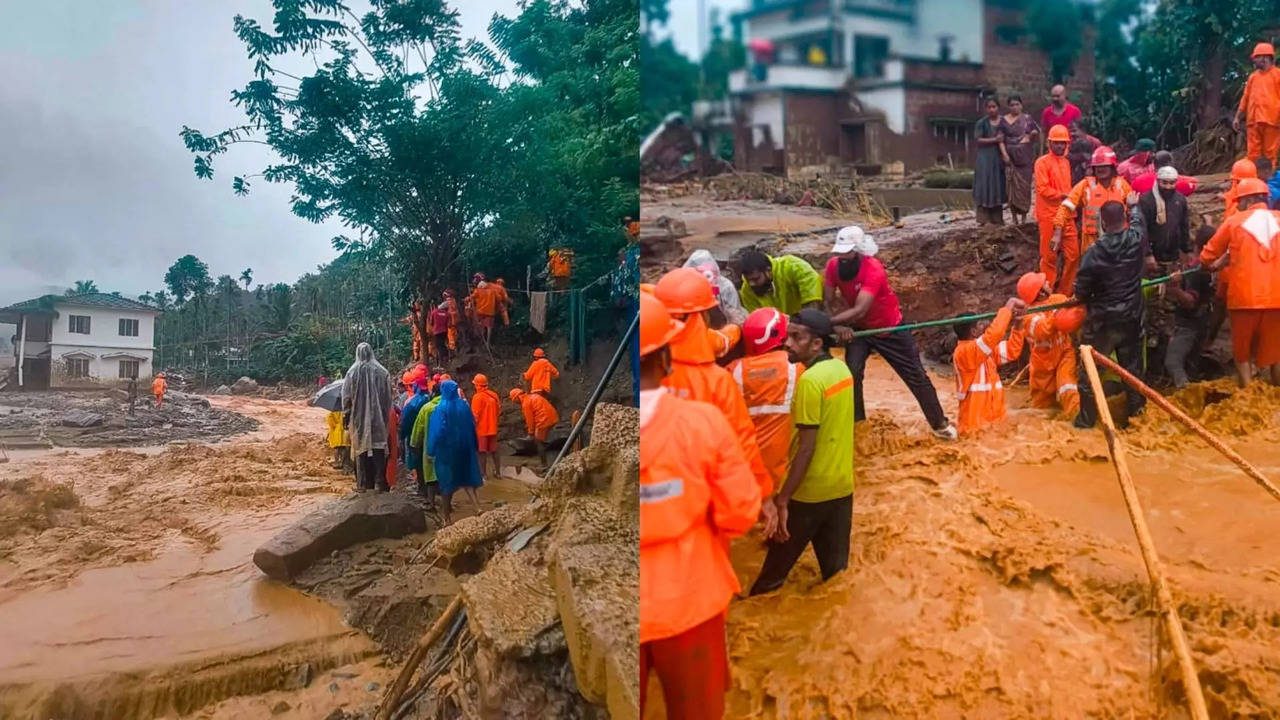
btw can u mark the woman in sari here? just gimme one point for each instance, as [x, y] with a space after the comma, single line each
[988, 171]
[1018, 134]
[451, 443]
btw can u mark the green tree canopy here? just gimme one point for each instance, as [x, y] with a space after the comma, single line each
[83, 286]
[187, 278]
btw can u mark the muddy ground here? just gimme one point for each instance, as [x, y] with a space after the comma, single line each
[55, 418]
[999, 576]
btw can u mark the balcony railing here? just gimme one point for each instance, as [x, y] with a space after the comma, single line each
[798, 77]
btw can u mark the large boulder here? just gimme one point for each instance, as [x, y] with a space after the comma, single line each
[222, 390]
[82, 419]
[244, 386]
[342, 523]
[175, 396]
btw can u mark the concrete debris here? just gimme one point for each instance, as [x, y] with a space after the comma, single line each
[82, 419]
[222, 390]
[478, 530]
[244, 386]
[353, 519]
[175, 396]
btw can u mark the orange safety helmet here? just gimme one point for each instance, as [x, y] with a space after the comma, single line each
[764, 330]
[407, 378]
[1059, 133]
[1243, 168]
[480, 380]
[160, 375]
[684, 291]
[501, 282]
[515, 393]
[1069, 320]
[1262, 48]
[657, 327]
[1251, 186]
[1030, 284]
[1103, 156]
[539, 353]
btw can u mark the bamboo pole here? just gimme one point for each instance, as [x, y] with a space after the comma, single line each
[1164, 404]
[391, 700]
[1168, 613]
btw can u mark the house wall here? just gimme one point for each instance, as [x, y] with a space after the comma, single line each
[103, 339]
[1021, 68]
[102, 371]
[751, 151]
[813, 133]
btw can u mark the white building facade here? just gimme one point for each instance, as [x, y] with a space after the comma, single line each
[81, 340]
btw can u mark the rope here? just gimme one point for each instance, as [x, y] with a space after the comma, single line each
[988, 315]
[588, 286]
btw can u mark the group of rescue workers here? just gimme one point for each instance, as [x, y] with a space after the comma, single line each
[792, 406]
[441, 323]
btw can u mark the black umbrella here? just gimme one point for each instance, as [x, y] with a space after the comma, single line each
[329, 397]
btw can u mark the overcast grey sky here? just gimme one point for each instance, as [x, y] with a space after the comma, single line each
[683, 25]
[95, 183]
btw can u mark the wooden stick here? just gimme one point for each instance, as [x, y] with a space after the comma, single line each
[1018, 377]
[1164, 404]
[1173, 623]
[392, 699]
[577, 443]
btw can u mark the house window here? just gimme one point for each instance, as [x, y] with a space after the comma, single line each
[869, 54]
[78, 367]
[128, 369]
[956, 132]
[128, 328]
[78, 324]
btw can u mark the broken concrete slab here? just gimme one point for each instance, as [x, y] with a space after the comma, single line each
[222, 390]
[81, 419]
[175, 396]
[510, 605]
[595, 590]
[342, 523]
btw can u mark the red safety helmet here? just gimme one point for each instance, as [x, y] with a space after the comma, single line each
[684, 291]
[657, 327]
[764, 330]
[1069, 320]
[1030, 284]
[1103, 156]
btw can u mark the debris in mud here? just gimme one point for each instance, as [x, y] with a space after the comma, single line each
[102, 419]
[244, 386]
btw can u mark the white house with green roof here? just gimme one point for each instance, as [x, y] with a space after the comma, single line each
[80, 340]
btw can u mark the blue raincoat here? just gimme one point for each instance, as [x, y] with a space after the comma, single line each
[407, 417]
[451, 442]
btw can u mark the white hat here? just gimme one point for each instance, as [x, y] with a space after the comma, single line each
[1166, 173]
[853, 239]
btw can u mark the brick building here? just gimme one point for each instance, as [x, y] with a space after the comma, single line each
[861, 83]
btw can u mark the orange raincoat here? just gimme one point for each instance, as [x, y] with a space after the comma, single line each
[452, 302]
[768, 382]
[484, 407]
[158, 386]
[1252, 237]
[1260, 104]
[539, 415]
[696, 376]
[485, 299]
[1053, 361]
[540, 374]
[1053, 183]
[977, 364]
[696, 492]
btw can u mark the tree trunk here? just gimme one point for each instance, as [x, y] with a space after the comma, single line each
[1209, 109]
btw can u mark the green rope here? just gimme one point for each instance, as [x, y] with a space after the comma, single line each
[988, 315]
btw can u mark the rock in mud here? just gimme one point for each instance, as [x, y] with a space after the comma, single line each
[174, 396]
[342, 523]
[222, 390]
[82, 419]
[244, 386]
[281, 707]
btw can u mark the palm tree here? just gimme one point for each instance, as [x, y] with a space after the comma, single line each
[246, 277]
[82, 287]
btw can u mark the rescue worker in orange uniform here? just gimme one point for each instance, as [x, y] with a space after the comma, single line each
[540, 373]
[767, 379]
[412, 320]
[696, 492]
[687, 295]
[977, 360]
[504, 300]
[539, 417]
[559, 267]
[1260, 105]
[1052, 183]
[1252, 238]
[158, 386]
[484, 300]
[1241, 170]
[484, 408]
[1087, 199]
[452, 303]
[1052, 368]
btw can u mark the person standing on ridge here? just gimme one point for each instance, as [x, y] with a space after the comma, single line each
[1110, 286]
[1260, 105]
[540, 374]
[1251, 238]
[694, 375]
[856, 289]
[484, 300]
[366, 406]
[1086, 200]
[1018, 136]
[1059, 112]
[439, 322]
[786, 282]
[815, 503]
[767, 379]
[990, 191]
[1053, 183]
[485, 408]
[696, 493]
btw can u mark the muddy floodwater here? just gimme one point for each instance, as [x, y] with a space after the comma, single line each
[126, 579]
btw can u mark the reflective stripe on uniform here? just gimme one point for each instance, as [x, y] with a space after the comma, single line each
[737, 376]
[1003, 347]
[982, 345]
[1067, 387]
[665, 490]
[783, 408]
[1069, 205]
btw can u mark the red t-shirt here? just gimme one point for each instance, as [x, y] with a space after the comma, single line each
[1143, 183]
[1048, 118]
[439, 321]
[872, 278]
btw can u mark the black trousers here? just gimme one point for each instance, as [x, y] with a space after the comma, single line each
[1124, 338]
[900, 351]
[825, 525]
[441, 341]
[371, 470]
